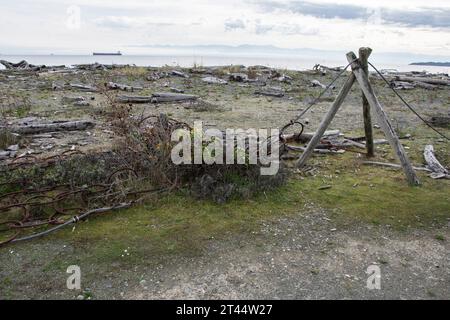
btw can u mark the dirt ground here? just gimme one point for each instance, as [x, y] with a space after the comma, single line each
[305, 256]
[297, 250]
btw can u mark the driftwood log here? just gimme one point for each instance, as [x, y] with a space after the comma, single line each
[404, 85]
[214, 80]
[441, 82]
[51, 127]
[271, 92]
[179, 74]
[83, 87]
[172, 97]
[440, 121]
[438, 170]
[98, 66]
[317, 83]
[22, 65]
[319, 67]
[392, 165]
[157, 97]
[238, 77]
[425, 85]
[123, 87]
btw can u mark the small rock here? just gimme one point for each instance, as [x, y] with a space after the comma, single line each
[13, 147]
[4, 155]
[179, 74]
[82, 104]
[176, 90]
[238, 77]
[214, 80]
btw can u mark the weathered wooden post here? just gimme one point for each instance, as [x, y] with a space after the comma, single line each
[364, 54]
[362, 76]
[326, 121]
[383, 120]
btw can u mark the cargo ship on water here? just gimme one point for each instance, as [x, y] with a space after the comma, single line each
[118, 53]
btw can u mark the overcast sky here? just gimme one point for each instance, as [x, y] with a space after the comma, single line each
[64, 26]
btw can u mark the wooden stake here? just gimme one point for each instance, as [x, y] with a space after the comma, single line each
[383, 120]
[364, 54]
[326, 121]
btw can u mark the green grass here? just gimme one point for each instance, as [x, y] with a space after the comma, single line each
[173, 224]
[178, 223]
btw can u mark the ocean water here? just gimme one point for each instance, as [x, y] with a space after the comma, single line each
[282, 62]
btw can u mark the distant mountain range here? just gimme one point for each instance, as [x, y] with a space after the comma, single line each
[270, 50]
[436, 64]
[246, 50]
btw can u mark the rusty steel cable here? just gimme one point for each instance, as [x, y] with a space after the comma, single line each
[408, 105]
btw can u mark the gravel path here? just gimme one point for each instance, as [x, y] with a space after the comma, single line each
[307, 258]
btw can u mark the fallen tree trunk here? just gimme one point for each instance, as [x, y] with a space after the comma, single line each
[425, 85]
[319, 67]
[123, 87]
[442, 82]
[402, 85]
[270, 92]
[157, 97]
[438, 170]
[97, 66]
[83, 87]
[134, 99]
[58, 71]
[440, 121]
[214, 80]
[51, 127]
[172, 97]
[238, 77]
[22, 65]
[317, 83]
[179, 74]
[350, 143]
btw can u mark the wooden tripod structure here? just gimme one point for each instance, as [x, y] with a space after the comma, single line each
[361, 75]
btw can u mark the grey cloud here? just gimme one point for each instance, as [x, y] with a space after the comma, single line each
[233, 24]
[430, 17]
[286, 29]
[263, 28]
[437, 18]
[124, 22]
